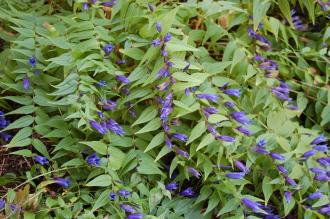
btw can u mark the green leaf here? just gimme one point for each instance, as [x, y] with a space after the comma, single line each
[100, 181]
[97, 146]
[274, 26]
[40, 147]
[325, 115]
[196, 132]
[212, 203]
[73, 163]
[22, 110]
[285, 9]
[24, 152]
[215, 118]
[207, 139]
[21, 138]
[151, 126]
[20, 123]
[260, 9]
[148, 166]
[267, 188]
[179, 46]
[239, 55]
[148, 114]
[102, 200]
[133, 53]
[228, 207]
[156, 140]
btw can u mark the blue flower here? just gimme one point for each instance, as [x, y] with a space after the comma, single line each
[109, 105]
[98, 127]
[290, 181]
[2, 204]
[172, 186]
[318, 171]
[166, 107]
[121, 62]
[324, 210]
[40, 159]
[124, 193]
[322, 148]
[151, 7]
[108, 48]
[26, 83]
[211, 97]
[122, 79]
[185, 69]
[240, 117]
[322, 177]
[163, 86]
[325, 161]
[241, 166]
[112, 196]
[156, 42]
[254, 206]
[262, 143]
[277, 156]
[108, 3]
[182, 153]
[32, 61]
[167, 37]
[233, 92]
[168, 142]
[163, 72]
[309, 154]
[188, 192]
[229, 104]
[85, 6]
[210, 110]
[315, 195]
[135, 216]
[298, 24]
[260, 150]
[93, 160]
[251, 32]
[194, 172]
[163, 51]
[235, 175]
[287, 196]
[14, 207]
[225, 138]
[158, 27]
[101, 83]
[282, 169]
[212, 130]
[244, 131]
[319, 139]
[179, 136]
[62, 182]
[113, 126]
[127, 208]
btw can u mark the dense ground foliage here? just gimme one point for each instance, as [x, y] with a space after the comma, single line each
[164, 109]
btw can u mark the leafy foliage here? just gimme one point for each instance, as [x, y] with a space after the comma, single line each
[170, 109]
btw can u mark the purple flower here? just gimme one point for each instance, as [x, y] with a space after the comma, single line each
[318, 170]
[85, 6]
[127, 208]
[194, 172]
[172, 186]
[298, 24]
[251, 32]
[287, 196]
[262, 143]
[211, 97]
[26, 83]
[14, 207]
[210, 110]
[101, 83]
[277, 156]
[32, 61]
[135, 216]
[324, 210]
[240, 117]
[112, 196]
[108, 3]
[315, 195]
[185, 69]
[2, 203]
[115, 127]
[151, 7]
[229, 104]
[167, 37]
[322, 148]
[93, 160]
[241, 166]
[121, 62]
[322, 177]
[168, 142]
[163, 51]
[158, 27]
[319, 139]
[5, 136]
[156, 42]
[93, 1]
[282, 169]
[259, 58]
[109, 105]
[235, 175]
[40, 159]
[182, 153]
[62, 182]
[212, 130]
[244, 131]
[254, 206]
[260, 150]
[188, 192]
[163, 86]
[233, 92]
[108, 48]
[163, 72]
[225, 138]
[309, 154]
[325, 161]
[290, 181]
[166, 107]
[98, 127]
[122, 79]
[124, 193]
[181, 137]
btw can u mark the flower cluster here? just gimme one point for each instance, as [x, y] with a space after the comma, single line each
[297, 22]
[268, 65]
[3, 124]
[264, 42]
